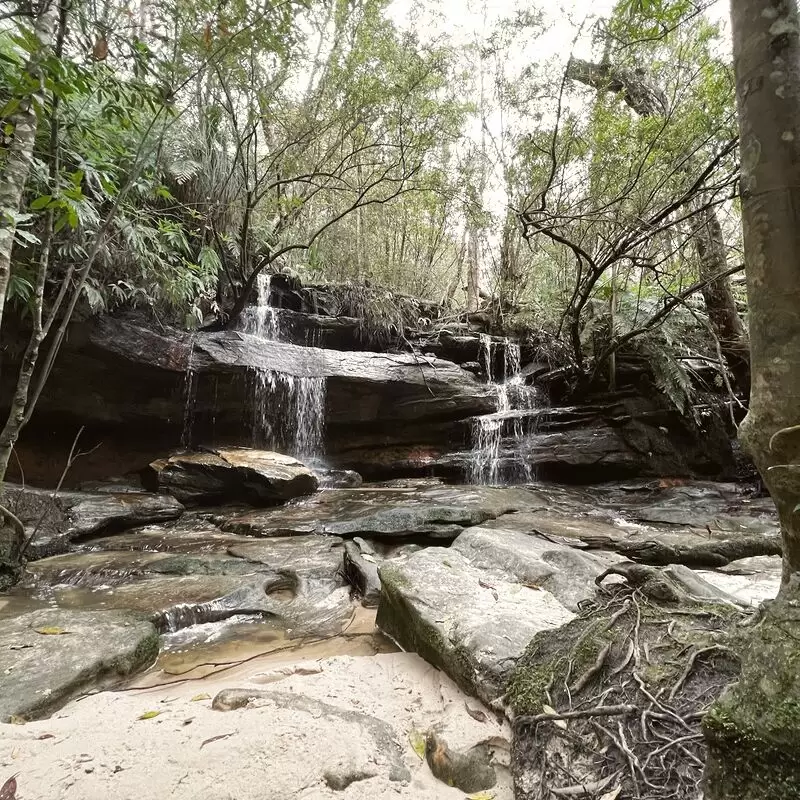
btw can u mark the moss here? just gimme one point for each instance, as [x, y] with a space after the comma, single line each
[554, 657]
[753, 731]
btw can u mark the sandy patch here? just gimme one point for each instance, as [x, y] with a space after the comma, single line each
[98, 748]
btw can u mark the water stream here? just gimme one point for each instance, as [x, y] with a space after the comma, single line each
[497, 455]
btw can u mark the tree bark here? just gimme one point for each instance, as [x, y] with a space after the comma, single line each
[718, 296]
[14, 172]
[753, 731]
[646, 100]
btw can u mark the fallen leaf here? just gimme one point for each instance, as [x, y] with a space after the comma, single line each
[550, 710]
[149, 714]
[612, 795]
[216, 739]
[16, 720]
[481, 796]
[46, 736]
[198, 697]
[417, 741]
[51, 631]
[19, 646]
[476, 713]
[8, 791]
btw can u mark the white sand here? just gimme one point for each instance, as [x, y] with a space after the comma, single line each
[97, 748]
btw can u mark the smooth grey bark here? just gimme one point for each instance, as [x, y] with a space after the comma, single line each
[640, 94]
[753, 732]
[14, 172]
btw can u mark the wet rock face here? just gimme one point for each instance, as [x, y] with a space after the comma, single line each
[61, 520]
[429, 512]
[380, 399]
[257, 477]
[49, 656]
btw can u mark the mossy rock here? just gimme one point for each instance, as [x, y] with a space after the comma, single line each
[753, 731]
[48, 657]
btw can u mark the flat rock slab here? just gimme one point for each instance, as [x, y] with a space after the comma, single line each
[234, 474]
[49, 656]
[436, 512]
[71, 516]
[567, 573]
[470, 623]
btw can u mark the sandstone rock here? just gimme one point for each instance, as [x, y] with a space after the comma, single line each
[375, 512]
[470, 623]
[48, 657]
[71, 516]
[234, 474]
[567, 573]
[361, 570]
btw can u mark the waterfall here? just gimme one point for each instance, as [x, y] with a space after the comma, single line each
[190, 393]
[288, 411]
[261, 319]
[496, 437]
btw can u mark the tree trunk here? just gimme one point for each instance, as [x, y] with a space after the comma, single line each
[719, 300]
[473, 269]
[753, 731]
[14, 172]
[640, 95]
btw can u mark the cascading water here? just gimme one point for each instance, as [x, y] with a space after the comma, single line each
[190, 392]
[288, 411]
[490, 462]
[261, 319]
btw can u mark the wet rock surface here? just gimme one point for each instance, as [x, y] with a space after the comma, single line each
[258, 477]
[431, 511]
[69, 516]
[48, 657]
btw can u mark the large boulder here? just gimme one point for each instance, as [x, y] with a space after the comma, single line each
[233, 474]
[472, 624]
[55, 521]
[49, 656]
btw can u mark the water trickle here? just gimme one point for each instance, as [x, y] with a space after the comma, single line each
[496, 454]
[190, 395]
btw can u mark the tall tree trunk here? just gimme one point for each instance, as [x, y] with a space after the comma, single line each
[647, 100]
[719, 300]
[753, 732]
[14, 172]
[473, 269]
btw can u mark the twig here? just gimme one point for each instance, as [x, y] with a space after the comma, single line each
[582, 789]
[71, 459]
[690, 664]
[584, 679]
[656, 703]
[599, 711]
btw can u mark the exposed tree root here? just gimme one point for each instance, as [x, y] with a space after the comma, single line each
[629, 724]
[710, 554]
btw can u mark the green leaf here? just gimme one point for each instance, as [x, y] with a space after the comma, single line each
[51, 631]
[417, 741]
[149, 715]
[41, 202]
